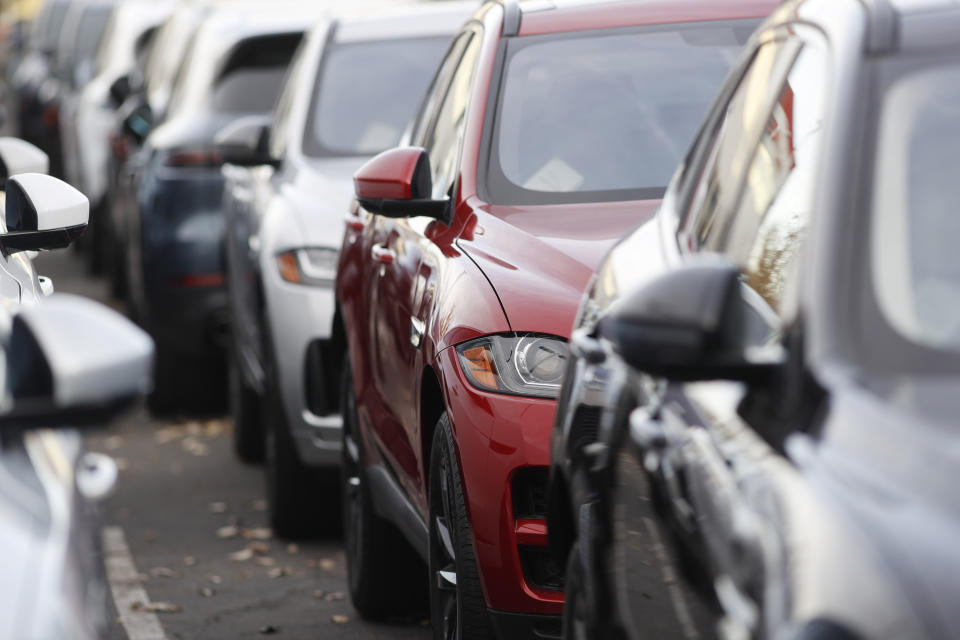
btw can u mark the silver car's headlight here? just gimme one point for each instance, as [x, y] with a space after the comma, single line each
[522, 365]
[315, 266]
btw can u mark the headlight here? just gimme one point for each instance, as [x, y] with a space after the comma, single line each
[311, 266]
[527, 365]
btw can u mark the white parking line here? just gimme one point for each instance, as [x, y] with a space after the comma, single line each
[128, 594]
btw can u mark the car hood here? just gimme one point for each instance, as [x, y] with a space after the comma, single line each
[321, 193]
[539, 259]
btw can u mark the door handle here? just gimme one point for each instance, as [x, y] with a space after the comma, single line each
[382, 254]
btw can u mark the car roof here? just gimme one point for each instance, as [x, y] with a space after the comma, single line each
[442, 18]
[550, 16]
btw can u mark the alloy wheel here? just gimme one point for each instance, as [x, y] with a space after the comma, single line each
[444, 558]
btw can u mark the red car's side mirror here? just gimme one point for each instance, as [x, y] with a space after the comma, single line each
[397, 184]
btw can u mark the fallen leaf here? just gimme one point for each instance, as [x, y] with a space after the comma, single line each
[259, 548]
[168, 434]
[227, 532]
[269, 630]
[327, 564]
[266, 562]
[258, 533]
[279, 572]
[241, 556]
[163, 572]
[189, 561]
[293, 548]
[206, 592]
[213, 428]
[216, 579]
[195, 447]
[335, 596]
[156, 607]
[339, 619]
[193, 428]
[113, 443]
[218, 507]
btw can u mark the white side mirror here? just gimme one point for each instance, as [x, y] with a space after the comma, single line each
[72, 361]
[42, 212]
[19, 156]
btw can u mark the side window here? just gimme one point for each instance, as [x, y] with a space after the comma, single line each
[774, 209]
[438, 88]
[280, 121]
[718, 188]
[442, 141]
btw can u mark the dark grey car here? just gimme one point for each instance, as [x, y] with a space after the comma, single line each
[755, 438]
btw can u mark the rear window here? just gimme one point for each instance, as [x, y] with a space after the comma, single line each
[350, 113]
[250, 79]
[604, 115]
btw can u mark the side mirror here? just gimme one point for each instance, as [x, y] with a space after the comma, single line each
[19, 156]
[696, 323]
[139, 122]
[397, 184]
[42, 212]
[120, 90]
[71, 361]
[243, 142]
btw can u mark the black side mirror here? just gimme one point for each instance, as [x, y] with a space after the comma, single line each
[139, 123]
[696, 323]
[244, 142]
[120, 90]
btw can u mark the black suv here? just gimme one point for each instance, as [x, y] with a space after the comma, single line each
[756, 435]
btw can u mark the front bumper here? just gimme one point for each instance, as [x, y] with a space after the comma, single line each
[301, 325]
[501, 438]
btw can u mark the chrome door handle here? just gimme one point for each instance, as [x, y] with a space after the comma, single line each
[382, 254]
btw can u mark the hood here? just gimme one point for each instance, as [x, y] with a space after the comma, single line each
[539, 259]
[321, 192]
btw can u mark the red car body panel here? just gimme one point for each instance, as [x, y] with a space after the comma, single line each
[494, 269]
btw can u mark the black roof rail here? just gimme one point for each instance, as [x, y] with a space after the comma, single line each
[511, 18]
[881, 25]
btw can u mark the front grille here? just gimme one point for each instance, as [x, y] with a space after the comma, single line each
[529, 492]
[540, 568]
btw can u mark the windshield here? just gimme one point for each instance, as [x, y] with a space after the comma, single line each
[916, 271]
[604, 115]
[349, 114]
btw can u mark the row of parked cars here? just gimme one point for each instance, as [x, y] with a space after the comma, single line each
[585, 319]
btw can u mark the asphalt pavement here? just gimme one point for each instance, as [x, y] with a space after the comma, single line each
[188, 551]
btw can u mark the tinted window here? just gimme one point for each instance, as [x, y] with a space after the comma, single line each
[916, 272]
[351, 113]
[250, 79]
[604, 115]
[442, 141]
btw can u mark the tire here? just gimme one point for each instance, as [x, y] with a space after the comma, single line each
[385, 577]
[303, 501]
[578, 621]
[248, 437]
[457, 606]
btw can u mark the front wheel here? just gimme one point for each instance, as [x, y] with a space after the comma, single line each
[458, 610]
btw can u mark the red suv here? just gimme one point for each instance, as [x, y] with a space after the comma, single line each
[547, 133]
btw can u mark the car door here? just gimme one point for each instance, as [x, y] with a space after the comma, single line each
[751, 203]
[395, 255]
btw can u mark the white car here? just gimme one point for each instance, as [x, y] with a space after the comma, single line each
[63, 361]
[284, 224]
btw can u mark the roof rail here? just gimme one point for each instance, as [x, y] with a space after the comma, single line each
[882, 25]
[511, 18]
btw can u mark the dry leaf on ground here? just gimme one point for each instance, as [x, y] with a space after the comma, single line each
[156, 607]
[258, 533]
[228, 532]
[339, 619]
[163, 572]
[217, 507]
[189, 561]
